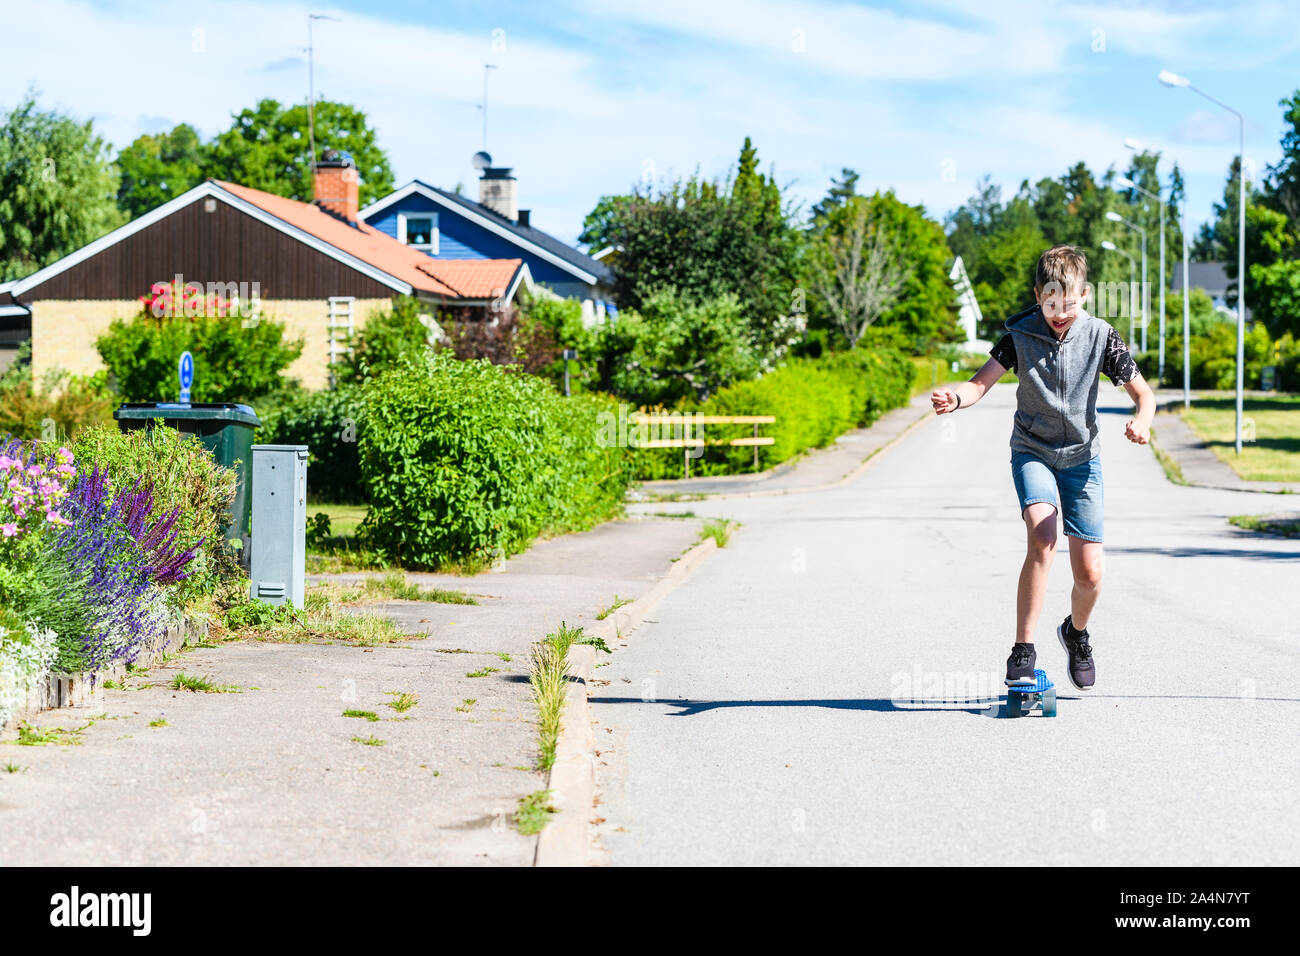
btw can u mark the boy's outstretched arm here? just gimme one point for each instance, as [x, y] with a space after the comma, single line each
[1138, 428]
[946, 399]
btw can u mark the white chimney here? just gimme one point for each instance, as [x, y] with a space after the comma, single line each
[497, 190]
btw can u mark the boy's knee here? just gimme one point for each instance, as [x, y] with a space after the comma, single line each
[1042, 537]
[1090, 572]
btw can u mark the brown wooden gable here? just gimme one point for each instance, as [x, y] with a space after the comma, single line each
[225, 245]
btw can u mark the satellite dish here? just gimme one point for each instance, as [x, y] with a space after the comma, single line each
[481, 160]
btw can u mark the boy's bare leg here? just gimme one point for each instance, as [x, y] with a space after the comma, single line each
[1087, 561]
[1040, 534]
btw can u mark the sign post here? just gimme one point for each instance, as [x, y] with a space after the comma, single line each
[185, 372]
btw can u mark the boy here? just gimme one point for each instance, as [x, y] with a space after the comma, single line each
[1059, 349]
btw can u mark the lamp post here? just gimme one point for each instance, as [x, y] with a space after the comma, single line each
[1116, 217]
[1173, 79]
[1129, 184]
[1132, 278]
[1187, 317]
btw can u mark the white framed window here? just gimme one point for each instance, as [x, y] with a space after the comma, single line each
[419, 231]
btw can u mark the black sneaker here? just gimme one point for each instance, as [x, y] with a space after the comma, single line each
[1020, 665]
[1082, 671]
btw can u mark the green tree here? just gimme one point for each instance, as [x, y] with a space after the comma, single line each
[874, 260]
[841, 190]
[678, 348]
[1217, 241]
[267, 148]
[707, 239]
[1272, 269]
[158, 168]
[57, 187]
[236, 359]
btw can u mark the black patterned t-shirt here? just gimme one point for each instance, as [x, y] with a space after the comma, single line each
[1117, 363]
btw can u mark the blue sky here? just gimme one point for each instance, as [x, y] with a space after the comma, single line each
[590, 96]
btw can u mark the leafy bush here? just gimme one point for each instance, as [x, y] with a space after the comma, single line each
[466, 460]
[235, 359]
[26, 654]
[1214, 350]
[389, 337]
[813, 400]
[184, 478]
[60, 407]
[330, 423]
[676, 349]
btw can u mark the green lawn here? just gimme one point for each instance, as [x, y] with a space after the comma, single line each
[340, 552]
[343, 518]
[1274, 452]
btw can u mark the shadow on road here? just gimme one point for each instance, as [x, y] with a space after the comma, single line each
[978, 707]
[1210, 553]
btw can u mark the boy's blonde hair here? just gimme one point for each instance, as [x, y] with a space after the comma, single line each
[1064, 266]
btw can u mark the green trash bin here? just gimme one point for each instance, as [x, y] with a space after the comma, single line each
[224, 428]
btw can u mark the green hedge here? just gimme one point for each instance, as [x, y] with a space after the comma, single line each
[466, 461]
[814, 401]
[329, 422]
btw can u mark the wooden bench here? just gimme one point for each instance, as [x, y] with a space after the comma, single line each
[687, 442]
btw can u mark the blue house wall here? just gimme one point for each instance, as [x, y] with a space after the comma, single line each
[459, 238]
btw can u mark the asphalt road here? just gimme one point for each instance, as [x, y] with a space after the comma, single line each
[763, 715]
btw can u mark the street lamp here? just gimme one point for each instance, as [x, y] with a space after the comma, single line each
[1116, 217]
[1127, 183]
[1173, 79]
[1132, 278]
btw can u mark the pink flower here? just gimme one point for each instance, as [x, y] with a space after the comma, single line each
[9, 530]
[55, 518]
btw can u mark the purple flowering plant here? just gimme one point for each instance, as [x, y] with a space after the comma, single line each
[123, 557]
[83, 558]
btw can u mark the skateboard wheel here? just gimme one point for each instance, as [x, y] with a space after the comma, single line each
[1015, 703]
[1049, 702]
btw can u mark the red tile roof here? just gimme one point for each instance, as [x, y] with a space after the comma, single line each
[450, 278]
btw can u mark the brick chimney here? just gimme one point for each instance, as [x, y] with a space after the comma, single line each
[337, 183]
[497, 190]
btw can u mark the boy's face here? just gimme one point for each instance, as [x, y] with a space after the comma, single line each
[1061, 304]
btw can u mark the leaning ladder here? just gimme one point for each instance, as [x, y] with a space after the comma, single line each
[340, 321]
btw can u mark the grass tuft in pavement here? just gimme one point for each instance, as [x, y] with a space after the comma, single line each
[720, 530]
[190, 682]
[534, 812]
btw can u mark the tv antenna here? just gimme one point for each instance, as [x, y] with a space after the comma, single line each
[311, 94]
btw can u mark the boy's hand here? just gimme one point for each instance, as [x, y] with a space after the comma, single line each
[1137, 432]
[944, 400]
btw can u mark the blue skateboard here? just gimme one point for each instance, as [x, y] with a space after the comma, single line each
[1022, 699]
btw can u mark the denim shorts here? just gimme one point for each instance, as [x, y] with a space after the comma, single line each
[1080, 488]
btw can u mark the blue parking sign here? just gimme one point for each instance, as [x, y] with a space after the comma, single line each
[185, 371]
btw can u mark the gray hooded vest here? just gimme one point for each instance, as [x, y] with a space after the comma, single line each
[1056, 414]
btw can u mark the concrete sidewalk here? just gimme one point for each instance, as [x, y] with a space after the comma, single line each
[273, 776]
[1200, 465]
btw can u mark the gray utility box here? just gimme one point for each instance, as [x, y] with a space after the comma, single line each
[279, 525]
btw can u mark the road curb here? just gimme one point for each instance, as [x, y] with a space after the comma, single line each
[1267, 488]
[567, 837]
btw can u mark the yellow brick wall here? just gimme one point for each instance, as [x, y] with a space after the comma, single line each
[64, 333]
[309, 320]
